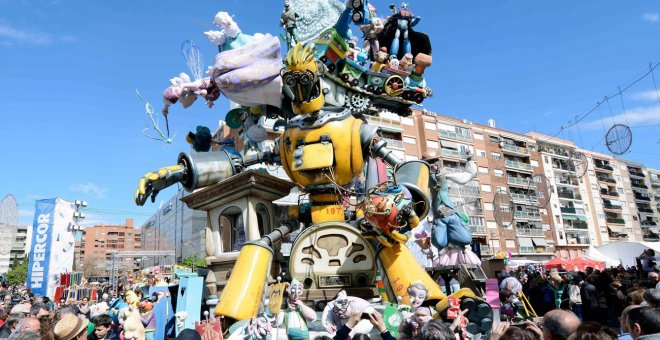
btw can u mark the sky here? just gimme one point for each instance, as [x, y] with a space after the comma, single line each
[71, 124]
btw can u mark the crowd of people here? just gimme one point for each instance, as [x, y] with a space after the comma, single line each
[27, 317]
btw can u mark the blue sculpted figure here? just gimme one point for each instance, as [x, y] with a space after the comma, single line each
[450, 232]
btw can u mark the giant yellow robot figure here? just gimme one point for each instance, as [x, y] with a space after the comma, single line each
[320, 149]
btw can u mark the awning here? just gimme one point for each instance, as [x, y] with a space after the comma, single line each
[539, 242]
[603, 186]
[582, 218]
[618, 229]
[525, 242]
[450, 145]
[569, 217]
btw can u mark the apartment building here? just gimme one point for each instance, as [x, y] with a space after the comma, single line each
[644, 200]
[98, 243]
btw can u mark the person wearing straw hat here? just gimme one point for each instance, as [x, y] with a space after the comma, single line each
[71, 327]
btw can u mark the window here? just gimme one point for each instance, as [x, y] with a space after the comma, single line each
[485, 187]
[534, 163]
[618, 178]
[546, 159]
[557, 219]
[407, 121]
[494, 139]
[432, 144]
[491, 224]
[510, 244]
[481, 153]
[498, 173]
[629, 192]
[501, 189]
[430, 126]
[483, 170]
[409, 140]
[496, 156]
[479, 136]
[488, 206]
[601, 216]
[496, 243]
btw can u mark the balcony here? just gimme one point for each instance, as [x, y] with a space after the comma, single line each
[642, 198]
[645, 210]
[530, 232]
[651, 237]
[478, 229]
[454, 153]
[520, 181]
[527, 214]
[609, 193]
[605, 167]
[557, 152]
[656, 193]
[605, 179]
[455, 136]
[385, 123]
[518, 165]
[569, 210]
[485, 249]
[576, 225]
[577, 240]
[618, 236]
[514, 149]
[611, 206]
[649, 223]
[394, 144]
[524, 198]
[563, 167]
[615, 220]
[637, 174]
[638, 185]
[566, 182]
[569, 195]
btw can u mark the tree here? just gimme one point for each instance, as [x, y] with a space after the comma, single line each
[198, 262]
[18, 274]
[95, 266]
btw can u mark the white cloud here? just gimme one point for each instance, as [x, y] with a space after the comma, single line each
[650, 95]
[638, 116]
[651, 17]
[90, 189]
[10, 35]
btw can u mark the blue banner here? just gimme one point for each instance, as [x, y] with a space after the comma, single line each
[42, 228]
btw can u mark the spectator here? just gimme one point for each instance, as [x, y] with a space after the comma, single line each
[653, 279]
[70, 327]
[28, 324]
[8, 301]
[46, 330]
[589, 296]
[84, 307]
[189, 334]
[103, 329]
[436, 330]
[652, 298]
[10, 325]
[64, 311]
[644, 323]
[27, 335]
[559, 325]
[623, 323]
[574, 298]
[39, 310]
[21, 308]
[592, 330]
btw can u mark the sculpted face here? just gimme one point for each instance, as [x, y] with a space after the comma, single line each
[295, 291]
[417, 296]
[342, 307]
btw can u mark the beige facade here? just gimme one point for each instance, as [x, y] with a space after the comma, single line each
[99, 241]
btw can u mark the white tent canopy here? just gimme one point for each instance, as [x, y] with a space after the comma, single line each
[627, 252]
[597, 255]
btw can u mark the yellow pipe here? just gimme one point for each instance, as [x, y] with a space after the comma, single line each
[242, 297]
[402, 270]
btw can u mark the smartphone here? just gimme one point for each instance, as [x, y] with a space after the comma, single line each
[366, 316]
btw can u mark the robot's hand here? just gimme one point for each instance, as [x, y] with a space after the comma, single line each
[153, 182]
[392, 6]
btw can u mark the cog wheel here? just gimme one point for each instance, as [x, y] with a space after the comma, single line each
[358, 103]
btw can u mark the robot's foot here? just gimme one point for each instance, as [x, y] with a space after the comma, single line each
[451, 256]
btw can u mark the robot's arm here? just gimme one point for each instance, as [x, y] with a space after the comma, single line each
[197, 170]
[375, 146]
[414, 20]
[468, 175]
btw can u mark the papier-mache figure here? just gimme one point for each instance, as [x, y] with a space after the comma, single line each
[415, 316]
[257, 328]
[449, 231]
[296, 315]
[336, 313]
[371, 31]
[288, 21]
